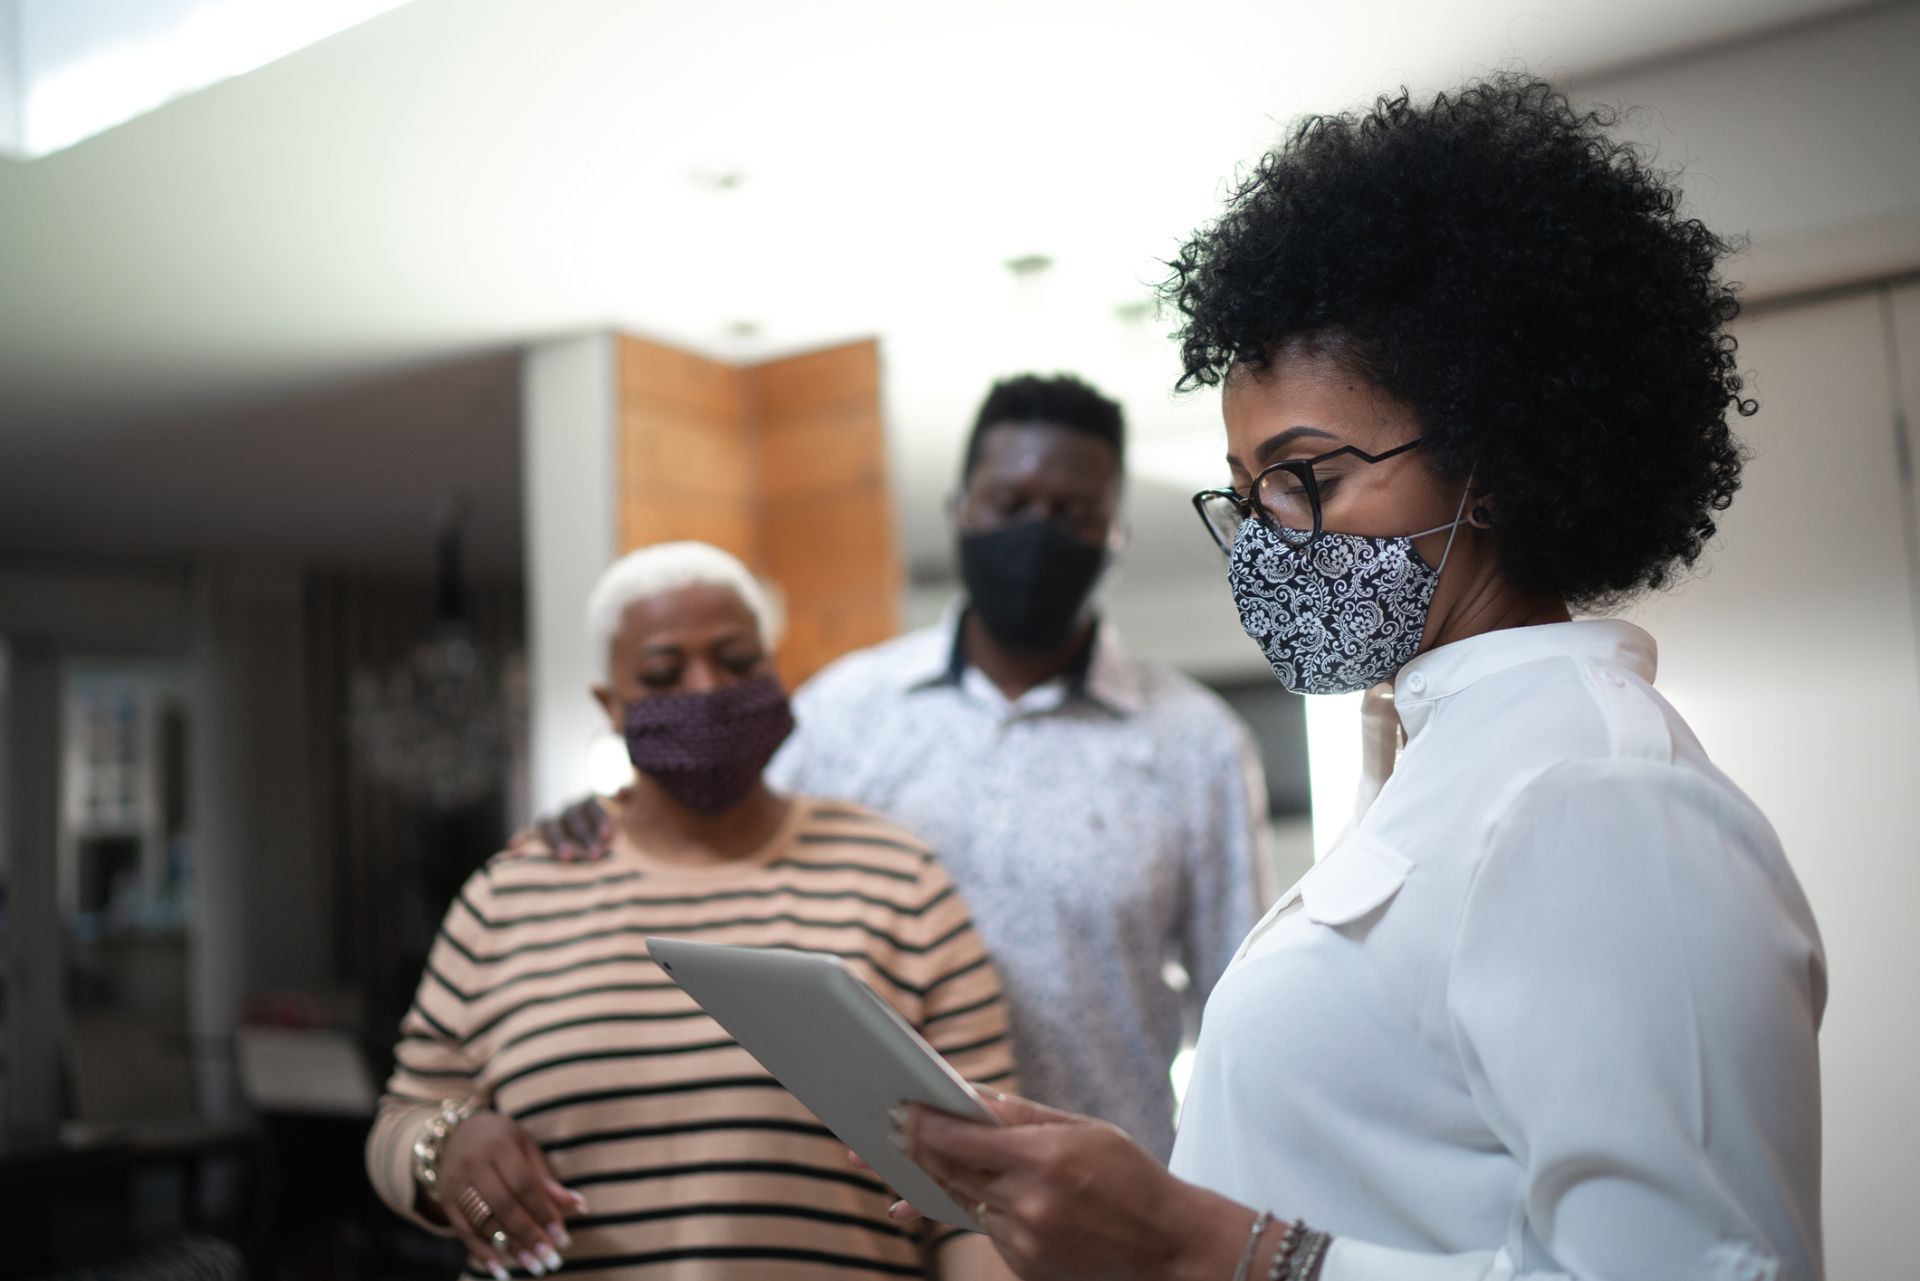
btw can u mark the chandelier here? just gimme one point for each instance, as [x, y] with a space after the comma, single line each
[440, 726]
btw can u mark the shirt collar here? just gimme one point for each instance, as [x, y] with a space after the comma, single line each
[1106, 675]
[1434, 675]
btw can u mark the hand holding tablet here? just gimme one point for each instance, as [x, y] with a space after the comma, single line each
[835, 1045]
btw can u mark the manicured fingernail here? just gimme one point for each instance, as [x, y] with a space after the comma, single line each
[559, 1234]
[578, 1200]
[550, 1257]
[499, 1273]
[531, 1264]
[898, 1116]
[898, 1210]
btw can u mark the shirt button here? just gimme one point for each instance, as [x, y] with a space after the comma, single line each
[1417, 683]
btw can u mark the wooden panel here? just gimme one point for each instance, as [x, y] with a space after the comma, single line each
[820, 546]
[654, 371]
[649, 518]
[667, 448]
[820, 451]
[817, 380]
[825, 513]
[686, 467]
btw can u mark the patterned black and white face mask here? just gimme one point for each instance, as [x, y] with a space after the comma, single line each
[1343, 613]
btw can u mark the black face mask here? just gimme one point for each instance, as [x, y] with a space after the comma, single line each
[1029, 581]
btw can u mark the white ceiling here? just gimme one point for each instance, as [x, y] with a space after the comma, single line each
[460, 176]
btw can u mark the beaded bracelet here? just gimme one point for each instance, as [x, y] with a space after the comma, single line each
[1260, 1222]
[432, 1139]
[1311, 1254]
[1283, 1255]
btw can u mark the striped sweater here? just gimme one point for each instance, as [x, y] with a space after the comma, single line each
[539, 999]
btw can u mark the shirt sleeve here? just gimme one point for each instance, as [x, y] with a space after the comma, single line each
[432, 1061]
[1635, 994]
[1229, 878]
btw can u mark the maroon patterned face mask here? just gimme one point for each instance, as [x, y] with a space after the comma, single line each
[708, 750]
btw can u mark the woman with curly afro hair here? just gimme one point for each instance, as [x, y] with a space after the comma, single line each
[1549, 1007]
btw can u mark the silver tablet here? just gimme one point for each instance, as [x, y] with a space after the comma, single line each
[835, 1044]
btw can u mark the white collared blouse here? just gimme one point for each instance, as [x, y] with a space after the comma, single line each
[1548, 1009]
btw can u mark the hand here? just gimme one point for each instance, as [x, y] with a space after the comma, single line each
[1068, 1198]
[578, 833]
[508, 1173]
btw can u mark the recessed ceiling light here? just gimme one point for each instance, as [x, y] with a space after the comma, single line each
[1029, 265]
[1137, 311]
[743, 329]
[717, 179]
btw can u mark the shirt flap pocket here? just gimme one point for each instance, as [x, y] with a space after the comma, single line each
[1355, 878]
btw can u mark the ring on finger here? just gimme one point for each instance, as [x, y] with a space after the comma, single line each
[475, 1207]
[501, 1241]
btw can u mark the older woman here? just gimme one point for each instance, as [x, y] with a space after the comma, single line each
[558, 1099]
[1549, 1008]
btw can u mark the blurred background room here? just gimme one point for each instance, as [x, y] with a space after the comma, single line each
[343, 343]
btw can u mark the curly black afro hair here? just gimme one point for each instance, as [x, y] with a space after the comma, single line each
[1529, 286]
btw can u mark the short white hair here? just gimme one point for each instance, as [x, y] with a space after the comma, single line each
[664, 567]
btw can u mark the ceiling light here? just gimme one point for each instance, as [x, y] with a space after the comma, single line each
[717, 179]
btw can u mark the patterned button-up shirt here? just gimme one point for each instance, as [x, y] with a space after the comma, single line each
[1099, 826]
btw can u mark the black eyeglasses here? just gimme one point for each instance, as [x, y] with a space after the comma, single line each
[1286, 496]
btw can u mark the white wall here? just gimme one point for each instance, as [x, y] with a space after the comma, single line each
[1804, 139]
[263, 901]
[1794, 657]
[1794, 654]
[570, 456]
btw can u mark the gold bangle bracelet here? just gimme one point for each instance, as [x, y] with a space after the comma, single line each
[432, 1140]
